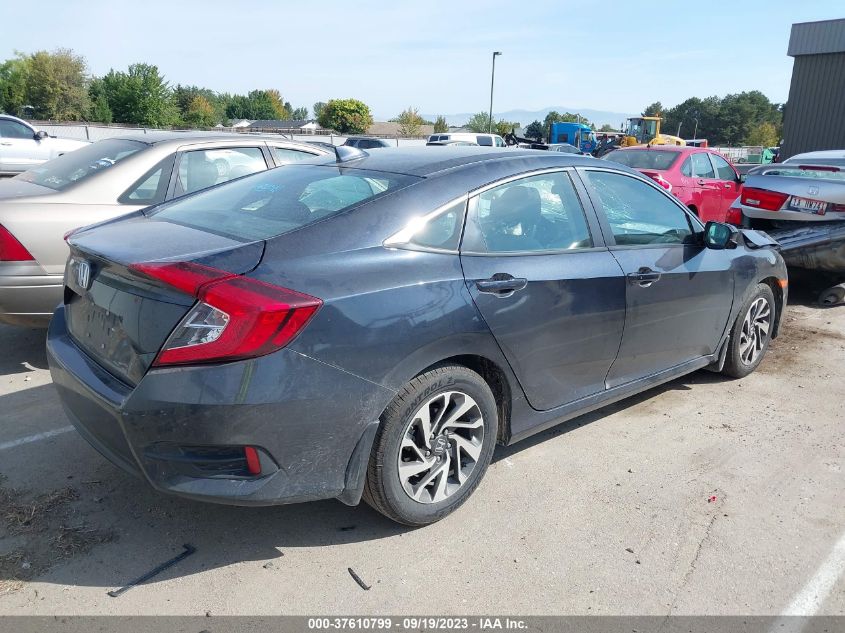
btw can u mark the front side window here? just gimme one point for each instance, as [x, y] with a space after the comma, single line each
[537, 213]
[723, 168]
[76, 166]
[701, 166]
[278, 201]
[13, 129]
[637, 212]
[203, 168]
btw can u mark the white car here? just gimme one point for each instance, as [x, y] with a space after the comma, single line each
[22, 147]
[834, 157]
[487, 140]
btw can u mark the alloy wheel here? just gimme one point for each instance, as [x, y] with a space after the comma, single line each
[755, 331]
[440, 447]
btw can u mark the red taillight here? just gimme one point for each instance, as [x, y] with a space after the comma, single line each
[253, 463]
[11, 250]
[235, 317]
[660, 180]
[763, 198]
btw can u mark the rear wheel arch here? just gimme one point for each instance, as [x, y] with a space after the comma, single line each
[495, 377]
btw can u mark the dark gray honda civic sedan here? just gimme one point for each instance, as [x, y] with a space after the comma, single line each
[374, 325]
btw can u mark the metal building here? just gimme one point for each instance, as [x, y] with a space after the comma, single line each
[815, 112]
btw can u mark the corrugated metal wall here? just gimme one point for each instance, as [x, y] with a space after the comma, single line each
[813, 38]
[815, 113]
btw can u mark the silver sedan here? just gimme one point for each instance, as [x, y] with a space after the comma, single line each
[102, 181]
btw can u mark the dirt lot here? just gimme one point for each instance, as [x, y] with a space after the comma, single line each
[704, 496]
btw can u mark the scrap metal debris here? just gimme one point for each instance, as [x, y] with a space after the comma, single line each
[357, 579]
[189, 549]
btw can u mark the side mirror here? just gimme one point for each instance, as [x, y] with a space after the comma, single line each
[741, 177]
[39, 135]
[720, 236]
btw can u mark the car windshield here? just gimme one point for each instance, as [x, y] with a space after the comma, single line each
[73, 167]
[644, 158]
[279, 201]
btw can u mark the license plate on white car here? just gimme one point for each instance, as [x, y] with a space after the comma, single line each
[807, 205]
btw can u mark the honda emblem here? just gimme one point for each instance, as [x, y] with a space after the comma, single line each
[83, 274]
[813, 190]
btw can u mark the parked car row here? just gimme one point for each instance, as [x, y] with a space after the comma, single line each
[22, 147]
[104, 180]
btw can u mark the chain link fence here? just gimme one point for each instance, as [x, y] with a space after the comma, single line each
[98, 132]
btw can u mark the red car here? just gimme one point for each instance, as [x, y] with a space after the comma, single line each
[702, 179]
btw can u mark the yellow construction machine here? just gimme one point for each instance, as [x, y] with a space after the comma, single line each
[645, 130]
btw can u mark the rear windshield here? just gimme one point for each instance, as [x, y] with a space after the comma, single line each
[281, 200]
[644, 158]
[805, 172]
[73, 167]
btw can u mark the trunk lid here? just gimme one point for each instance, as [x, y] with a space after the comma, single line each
[120, 318]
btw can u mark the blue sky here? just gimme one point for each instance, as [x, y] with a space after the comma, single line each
[435, 55]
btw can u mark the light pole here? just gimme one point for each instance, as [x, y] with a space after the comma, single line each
[492, 79]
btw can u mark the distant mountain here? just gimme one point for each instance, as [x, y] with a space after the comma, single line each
[525, 117]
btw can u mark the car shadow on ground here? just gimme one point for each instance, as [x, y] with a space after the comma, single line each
[129, 528]
[22, 349]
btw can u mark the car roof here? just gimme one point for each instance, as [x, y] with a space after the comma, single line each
[422, 161]
[828, 153]
[671, 148]
[13, 118]
[164, 138]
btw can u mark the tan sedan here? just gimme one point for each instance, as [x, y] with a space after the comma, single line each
[102, 181]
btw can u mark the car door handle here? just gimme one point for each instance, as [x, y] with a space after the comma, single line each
[643, 277]
[5, 143]
[501, 285]
[728, 185]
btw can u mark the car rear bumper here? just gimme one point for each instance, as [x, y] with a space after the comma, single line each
[790, 216]
[25, 298]
[307, 419]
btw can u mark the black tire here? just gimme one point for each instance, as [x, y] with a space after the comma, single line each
[735, 365]
[384, 489]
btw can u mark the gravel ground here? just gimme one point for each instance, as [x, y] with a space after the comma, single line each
[704, 496]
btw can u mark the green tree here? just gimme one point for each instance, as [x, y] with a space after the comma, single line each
[184, 95]
[479, 122]
[100, 111]
[258, 104]
[764, 134]
[57, 85]
[535, 131]
[299, 114]
[440, 124]
[606, 128]
[13, 82]
[410, 122]
[200, 113]
[140, 96]
[347, 116]
[502, 127]
[317, 108]
[655, 109]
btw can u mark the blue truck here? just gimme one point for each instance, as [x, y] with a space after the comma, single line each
[578, 134]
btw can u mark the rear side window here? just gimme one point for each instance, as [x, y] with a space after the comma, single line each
[279, 201]
[537, 213]
[701, 166]
[686, 168]
[443, 231]
[150, 188]
[486, 141]
[284, 155]
[638, 213]
[73, 167]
